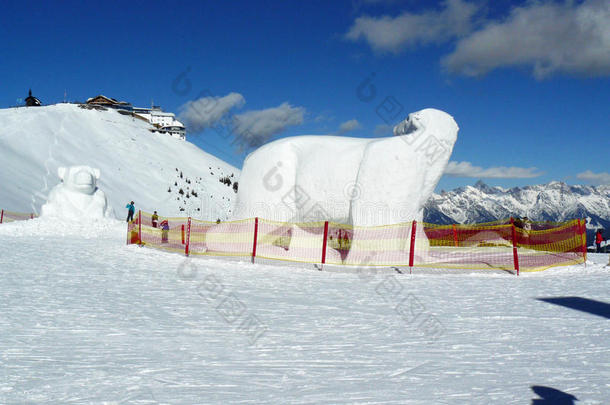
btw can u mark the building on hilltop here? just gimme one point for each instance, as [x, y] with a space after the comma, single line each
[109, 102]
[32, 101]
[162, 122]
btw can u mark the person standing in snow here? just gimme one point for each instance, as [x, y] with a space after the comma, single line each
[155, 219]
[164, 231]
[132, 209]
[527, 228]
[598, 240]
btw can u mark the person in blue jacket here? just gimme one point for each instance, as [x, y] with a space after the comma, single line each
[131, 207]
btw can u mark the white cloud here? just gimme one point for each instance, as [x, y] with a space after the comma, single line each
[206, 111]
[595, 178]
[569, 37]
[466, 169]
[383, 129]
[348, 126]
[256, 127]
[392, 34]
[323, 117]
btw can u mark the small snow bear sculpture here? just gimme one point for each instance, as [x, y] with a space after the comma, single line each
[77, 196]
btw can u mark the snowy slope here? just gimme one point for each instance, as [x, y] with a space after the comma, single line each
[86, 319]
[555, 201]
[135, 163]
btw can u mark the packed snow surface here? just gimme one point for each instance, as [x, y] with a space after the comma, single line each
[87, 319]
[77, 196]
[349, 180]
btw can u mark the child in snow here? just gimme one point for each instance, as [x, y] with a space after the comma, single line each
[598, 240]
[155, 219]
[164, 231]
[131, 207]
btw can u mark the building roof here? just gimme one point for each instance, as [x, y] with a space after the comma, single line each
[101, 99]
[162, 114]
[173, 127]
[31, 100]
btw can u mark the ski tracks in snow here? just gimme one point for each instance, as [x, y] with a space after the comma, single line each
[50, 160]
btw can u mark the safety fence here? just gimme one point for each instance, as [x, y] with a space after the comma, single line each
[10, 216]
[509, 245]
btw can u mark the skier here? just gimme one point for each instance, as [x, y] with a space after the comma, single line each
[598, 240]
[155, 219]
[131, 211]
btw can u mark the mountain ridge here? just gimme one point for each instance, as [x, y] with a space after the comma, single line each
[554, 201]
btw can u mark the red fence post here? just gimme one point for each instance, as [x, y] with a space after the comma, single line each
[31, 216]
[188, 237]
[412, 248]
[455, 239]
[324, 242]
[2, 216]
[582, 229]
[183, 234]
[515, 254]
[140, 227]
[255, 238]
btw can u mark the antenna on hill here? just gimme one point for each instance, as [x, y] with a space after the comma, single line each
[65, 95]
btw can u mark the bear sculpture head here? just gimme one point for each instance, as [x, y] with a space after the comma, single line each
[81, 179]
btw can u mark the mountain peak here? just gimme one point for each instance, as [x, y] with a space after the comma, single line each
[480, 185]
[483, 187]
[557, 184]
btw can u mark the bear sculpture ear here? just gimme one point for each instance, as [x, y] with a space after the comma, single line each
[61, 172]
[96, 173]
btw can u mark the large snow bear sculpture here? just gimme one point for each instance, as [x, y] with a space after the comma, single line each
[77, 196]
[357, 181]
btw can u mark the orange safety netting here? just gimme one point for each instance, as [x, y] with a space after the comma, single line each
[503, 244]
[491, 246]
[10, 216]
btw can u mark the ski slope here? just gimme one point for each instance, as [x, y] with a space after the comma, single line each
[87, 319]
[136, 164]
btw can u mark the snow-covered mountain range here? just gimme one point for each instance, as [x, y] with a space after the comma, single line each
[157, 171]
[555, 201]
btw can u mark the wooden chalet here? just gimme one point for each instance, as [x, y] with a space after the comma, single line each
[109, 102]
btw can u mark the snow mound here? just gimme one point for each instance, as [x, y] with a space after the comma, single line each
[77, 196]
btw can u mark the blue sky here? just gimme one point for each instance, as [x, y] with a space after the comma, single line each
[528, 83]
